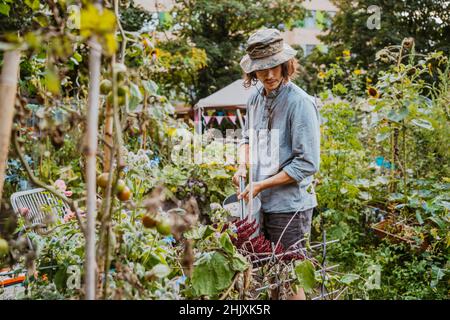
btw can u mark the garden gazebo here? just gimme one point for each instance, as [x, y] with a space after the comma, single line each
[232, 97]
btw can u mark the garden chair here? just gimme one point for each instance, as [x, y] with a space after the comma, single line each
[39, 203]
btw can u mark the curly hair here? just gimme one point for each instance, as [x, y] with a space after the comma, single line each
[289, 71]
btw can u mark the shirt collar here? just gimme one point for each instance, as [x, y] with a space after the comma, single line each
[274, 93]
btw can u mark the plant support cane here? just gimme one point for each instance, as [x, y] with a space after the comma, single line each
[91, 176]
[8, 88]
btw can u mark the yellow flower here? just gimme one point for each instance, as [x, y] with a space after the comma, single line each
[156, 53]
[346, 53]
[357, 72]
[373, 92]
[368, 80]
[230, 168]
[171, 131]
[321, 75]
[173, 189]
[430, 69]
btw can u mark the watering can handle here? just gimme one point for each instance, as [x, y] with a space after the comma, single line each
[242, 202]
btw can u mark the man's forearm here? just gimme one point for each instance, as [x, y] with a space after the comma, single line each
[243, 155]
[281, 178]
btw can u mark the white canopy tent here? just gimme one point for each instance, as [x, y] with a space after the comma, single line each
[232, 97]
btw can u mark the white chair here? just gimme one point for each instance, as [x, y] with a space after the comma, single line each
[39, 203]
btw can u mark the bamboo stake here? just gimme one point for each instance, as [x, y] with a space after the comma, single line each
[91, 152]
[108, 136]
[8, 88]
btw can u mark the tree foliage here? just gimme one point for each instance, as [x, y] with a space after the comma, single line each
[221, 28]
[427, 21]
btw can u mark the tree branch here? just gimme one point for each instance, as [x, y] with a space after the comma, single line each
[36, 181]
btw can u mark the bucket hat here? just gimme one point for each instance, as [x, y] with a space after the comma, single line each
[266, 49]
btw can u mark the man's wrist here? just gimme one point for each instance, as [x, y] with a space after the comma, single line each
[261, 185]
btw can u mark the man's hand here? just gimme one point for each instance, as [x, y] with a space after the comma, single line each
[241, 172]
[257, 188]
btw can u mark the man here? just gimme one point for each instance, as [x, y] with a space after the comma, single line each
[286, 141]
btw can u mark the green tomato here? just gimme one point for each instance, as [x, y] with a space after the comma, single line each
[163, 226]
[121, 100]
[4, 247]
[105, 86]
[120, 185]
[123, 91]
[102, 180]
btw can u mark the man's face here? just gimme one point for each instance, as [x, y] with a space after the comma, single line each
[270, 78]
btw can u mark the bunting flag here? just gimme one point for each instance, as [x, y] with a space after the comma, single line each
[207, 119]
[210, 112]
[196, 115]
[219, 119]
[232, 119]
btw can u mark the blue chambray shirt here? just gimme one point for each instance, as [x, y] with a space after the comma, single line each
[292, 145]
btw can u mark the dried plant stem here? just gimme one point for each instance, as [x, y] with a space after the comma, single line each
[226, 293]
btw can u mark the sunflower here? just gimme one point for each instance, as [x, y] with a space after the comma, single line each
[373, 92]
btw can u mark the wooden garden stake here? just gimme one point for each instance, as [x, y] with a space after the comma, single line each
[8, 88]
[91, 152]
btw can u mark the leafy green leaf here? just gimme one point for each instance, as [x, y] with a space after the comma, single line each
[41, 19]
[33, 4]
[226, 244]
[135, 96]
[52, 81]
[208, 231]
[382, 136]
[398, 115]
[422, 123]
[195, 233]
[239, 263]
[437, 274]
[160, 270]
[212, 273]
[349, 278]
[150, 87]
[304, 272]
[4, 9]
[419, 217]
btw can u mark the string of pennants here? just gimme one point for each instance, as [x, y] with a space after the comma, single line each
[209, 115]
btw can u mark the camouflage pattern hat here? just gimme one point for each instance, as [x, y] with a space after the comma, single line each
[266, 49]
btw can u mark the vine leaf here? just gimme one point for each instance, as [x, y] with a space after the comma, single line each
[305, 275]
[422, 123]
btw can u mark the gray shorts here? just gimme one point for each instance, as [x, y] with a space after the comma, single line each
[300, 227]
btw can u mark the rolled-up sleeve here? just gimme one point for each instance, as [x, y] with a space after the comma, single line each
[245, 137]
[305, 137]
[245, 134]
